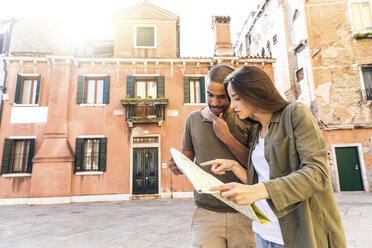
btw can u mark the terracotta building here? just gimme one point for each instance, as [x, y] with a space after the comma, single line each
[324, 59]
[95, 122]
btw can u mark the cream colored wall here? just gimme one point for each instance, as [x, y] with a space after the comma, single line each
[166, 42]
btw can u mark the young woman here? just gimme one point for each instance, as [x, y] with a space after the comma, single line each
[287, 175]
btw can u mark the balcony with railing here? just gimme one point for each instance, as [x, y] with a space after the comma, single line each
[145, 110]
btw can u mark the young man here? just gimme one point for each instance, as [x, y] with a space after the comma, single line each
[216, 132]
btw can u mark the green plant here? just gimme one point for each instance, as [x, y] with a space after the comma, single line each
[359, 36]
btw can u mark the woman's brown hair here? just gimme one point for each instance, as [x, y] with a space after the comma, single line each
[254, 86]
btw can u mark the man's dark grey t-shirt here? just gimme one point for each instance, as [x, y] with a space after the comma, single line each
[199, 137]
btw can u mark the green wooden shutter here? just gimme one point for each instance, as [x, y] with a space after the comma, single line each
[81, 92]
[160, 86]
[130, 86]
[186, 89]
[102, 154]
[6, 162]
[106, 89]
[17, 97]
[79, 155]
[202, 90]
[38, 89]
[30, 156]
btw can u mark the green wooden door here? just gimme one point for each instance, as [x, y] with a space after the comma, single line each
[349, 169]
[145, 171]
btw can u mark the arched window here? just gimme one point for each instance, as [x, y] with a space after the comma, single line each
[268, 49]
[298, 27]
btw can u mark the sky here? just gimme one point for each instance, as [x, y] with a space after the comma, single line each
[84, 15]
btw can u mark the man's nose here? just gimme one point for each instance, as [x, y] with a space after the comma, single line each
[215, 101]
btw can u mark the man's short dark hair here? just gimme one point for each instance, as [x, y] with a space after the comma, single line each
[219, 73]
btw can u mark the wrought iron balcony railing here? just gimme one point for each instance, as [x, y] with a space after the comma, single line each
[145, 110]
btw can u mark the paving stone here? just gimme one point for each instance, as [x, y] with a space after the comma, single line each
[161, 223]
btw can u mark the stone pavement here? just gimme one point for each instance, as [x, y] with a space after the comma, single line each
[143, 223]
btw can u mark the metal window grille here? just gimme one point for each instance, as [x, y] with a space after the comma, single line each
[145, 140]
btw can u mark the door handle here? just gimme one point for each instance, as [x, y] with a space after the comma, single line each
[357, 167]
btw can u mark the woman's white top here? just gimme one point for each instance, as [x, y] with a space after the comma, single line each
[271, 231]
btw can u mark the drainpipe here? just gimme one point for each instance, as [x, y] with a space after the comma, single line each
[171, 183]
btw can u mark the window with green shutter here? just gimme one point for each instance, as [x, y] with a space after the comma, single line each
[27, 89]
[93, 90]
[194, 90]
[145, 87]
[17, 156]
[90, 154]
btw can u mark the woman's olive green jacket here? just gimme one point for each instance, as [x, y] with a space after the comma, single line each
[299, 186]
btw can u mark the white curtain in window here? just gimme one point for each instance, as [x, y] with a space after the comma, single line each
[26, 91]
[21, 156]
[34, 90]
[192, 95]
[96, 154]
[91, 91]
[99, 91]
[18, 157]
[197, 90]
[87, 154]
[91, 154]
[152, 89]
[141, 89]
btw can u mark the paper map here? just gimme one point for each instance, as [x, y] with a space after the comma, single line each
[202, 181]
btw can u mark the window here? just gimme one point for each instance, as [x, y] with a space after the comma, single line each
[27, 89]
[194, 90]
[361, 13]
[145, 88]
[1, 42]
[248, 42]
[275, 39]
[17, 156]
[300, 74]
[268, 48]
[142, 87]
[367, 78]
[93, 89]
[298, 28]
[90, 154]
[145, 36]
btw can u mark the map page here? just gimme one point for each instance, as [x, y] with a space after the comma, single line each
[203, 181]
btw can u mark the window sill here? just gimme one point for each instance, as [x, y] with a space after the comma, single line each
[93, 105]
[89, 173]
[146, 47]
[295, 47]
[25, 105]
[17, 175]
